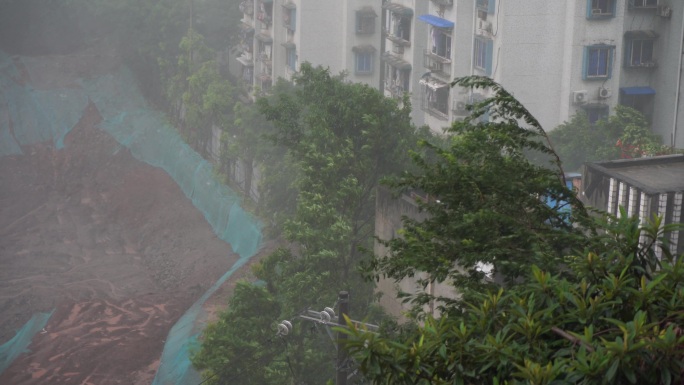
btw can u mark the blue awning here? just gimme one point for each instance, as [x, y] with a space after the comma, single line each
[436, 21]
[637, 91]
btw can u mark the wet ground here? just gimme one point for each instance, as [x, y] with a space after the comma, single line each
[110, 243]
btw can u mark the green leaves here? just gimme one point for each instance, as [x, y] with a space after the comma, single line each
[513, 336]
[625, 134]
[488, 203]
[324, 144]
[582, 302]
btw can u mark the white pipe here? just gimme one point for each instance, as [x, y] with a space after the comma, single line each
[472, 47]
[679, 79]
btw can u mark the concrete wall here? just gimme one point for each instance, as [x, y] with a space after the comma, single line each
[665, 76]
[388, 214]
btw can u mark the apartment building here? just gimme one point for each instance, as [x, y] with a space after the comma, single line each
[555, 57]
[588, 55]
[278, 35]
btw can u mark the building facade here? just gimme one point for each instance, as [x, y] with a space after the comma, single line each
[591, 55]
[557, 58]
[278, 35]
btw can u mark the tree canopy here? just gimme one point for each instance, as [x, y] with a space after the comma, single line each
[339, 139]
[609, 321]
[582, 300]
[487, 203]
[625, 134]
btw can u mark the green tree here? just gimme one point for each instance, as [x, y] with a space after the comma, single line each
[625, 134]
[486, 203]
[344, 138]
[607, 323]
[576, 305]
[340, 138]
[243, 336]
[207, 100]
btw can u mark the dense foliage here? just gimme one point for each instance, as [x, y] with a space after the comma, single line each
[625, 134]
[340, 139]
[581, 302]
[487, 203]
[616, 318]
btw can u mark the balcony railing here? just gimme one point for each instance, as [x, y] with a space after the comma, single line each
[433, 110]
[437, 64]
[246, 59]
[396, 39]
[264, 58]
[651, 64]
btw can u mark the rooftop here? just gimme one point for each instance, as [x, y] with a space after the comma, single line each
[652, 175]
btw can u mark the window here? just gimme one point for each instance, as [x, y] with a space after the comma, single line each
[600, 9]
[643, 3]
[397, 22]
[595, 112]
[486, 5]
[289, 17]
[364, 63]
[484, 50]
[598, 62]
[265, 14]
[640, 99]
[402, 28]
[397, 80]
[441, 43]
[365, 21]
[639, 53]
[291, 58]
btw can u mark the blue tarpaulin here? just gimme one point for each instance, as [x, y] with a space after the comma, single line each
[637, 91]
[436, 21]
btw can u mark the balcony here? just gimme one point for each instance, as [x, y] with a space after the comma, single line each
[265, 82]
[290, 16]
[439, 65]
[397, 40]
[246, 59]
[265, 59]
[396, 91]
[265, 14]
[435, 97]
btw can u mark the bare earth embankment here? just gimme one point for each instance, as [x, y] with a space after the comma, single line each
[110, 243]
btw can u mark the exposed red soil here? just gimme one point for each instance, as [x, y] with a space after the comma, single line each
[112, 245]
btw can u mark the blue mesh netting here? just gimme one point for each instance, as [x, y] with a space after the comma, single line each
[29, 116]
[18, 344]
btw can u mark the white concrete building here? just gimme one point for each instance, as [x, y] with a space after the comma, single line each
[588, 55]
[279, 35]
[557, 57]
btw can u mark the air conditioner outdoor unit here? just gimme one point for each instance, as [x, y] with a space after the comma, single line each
[579, 97]
[460, 107]
[604, 93]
